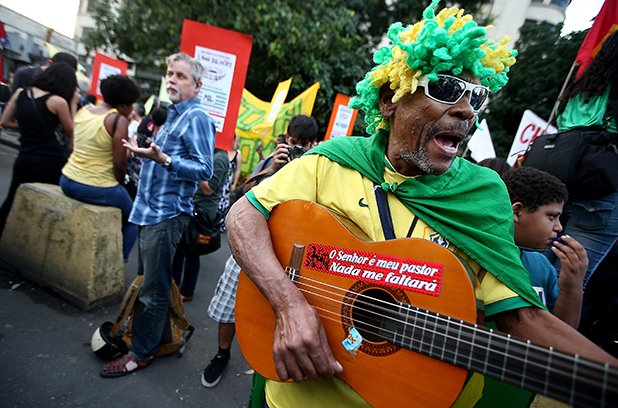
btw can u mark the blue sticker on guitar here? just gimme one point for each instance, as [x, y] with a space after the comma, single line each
[353, 340]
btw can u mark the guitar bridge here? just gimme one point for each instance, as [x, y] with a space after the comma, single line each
[296, 260]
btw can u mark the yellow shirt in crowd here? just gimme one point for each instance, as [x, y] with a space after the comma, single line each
[92, 160]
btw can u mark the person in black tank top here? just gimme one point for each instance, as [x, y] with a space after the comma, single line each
[38, 111]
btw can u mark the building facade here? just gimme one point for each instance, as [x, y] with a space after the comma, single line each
[28, 42]
[507, 16]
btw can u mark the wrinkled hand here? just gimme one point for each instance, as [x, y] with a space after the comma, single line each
[281, 157]
[153, 152]
[300, 348]
[573, 263]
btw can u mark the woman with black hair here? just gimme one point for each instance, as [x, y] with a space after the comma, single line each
[97, 168]
[592, 103]
[37, 111]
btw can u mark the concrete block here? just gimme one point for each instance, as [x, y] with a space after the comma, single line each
[69, 246]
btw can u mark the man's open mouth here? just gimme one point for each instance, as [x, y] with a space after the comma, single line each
[449, 141]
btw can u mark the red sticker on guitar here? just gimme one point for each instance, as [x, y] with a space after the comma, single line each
[402, 273]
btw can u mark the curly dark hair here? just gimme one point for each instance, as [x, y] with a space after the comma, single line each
[533, 187]
[119, 90]
[304, 128]
[603, 71]
[58, 79]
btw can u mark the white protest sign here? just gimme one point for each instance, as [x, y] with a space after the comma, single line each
[105, 71]
[480, 144]
[216, 82]
[342, 121]
[530, 127]
[341, 118]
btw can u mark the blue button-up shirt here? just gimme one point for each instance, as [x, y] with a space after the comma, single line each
[188, 136]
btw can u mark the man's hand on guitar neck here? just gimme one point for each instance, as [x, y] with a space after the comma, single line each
[545, 329]
[300, 348]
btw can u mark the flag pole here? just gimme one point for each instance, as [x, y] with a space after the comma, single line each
[561, 95]
[465, 151]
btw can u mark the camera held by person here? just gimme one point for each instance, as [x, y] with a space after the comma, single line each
[295, 152]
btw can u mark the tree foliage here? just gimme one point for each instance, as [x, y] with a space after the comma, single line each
[542, 66]
[330, 41]
[374, 16]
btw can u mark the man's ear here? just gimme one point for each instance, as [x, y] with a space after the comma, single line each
[517, 207]
[387, 107]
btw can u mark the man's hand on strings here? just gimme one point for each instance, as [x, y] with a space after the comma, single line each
[300, 348]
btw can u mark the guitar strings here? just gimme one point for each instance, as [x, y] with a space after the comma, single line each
[437, 317]
[422, 312]
[556, 390]
[545, 389]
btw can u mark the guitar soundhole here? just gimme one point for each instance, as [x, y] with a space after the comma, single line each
[370, 310]
[372, 315]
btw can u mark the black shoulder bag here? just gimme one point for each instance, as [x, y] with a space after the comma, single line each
[584, 159]
[203, 235]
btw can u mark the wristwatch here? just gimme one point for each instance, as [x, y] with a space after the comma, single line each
[167, 164]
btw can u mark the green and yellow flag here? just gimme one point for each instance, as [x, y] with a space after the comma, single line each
[253, 126]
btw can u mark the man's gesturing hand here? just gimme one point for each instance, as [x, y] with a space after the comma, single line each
[152, 152]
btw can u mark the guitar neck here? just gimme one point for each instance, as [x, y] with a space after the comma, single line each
[572, 379]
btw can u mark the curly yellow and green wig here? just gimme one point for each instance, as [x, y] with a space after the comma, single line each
[450, 41]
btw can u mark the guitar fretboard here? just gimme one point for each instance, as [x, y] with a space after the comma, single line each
[577, 381]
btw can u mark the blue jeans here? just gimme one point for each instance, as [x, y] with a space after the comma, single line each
[115, 196]
[594, 223]
[157, 245]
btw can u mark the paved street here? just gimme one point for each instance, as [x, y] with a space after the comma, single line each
[46, 360]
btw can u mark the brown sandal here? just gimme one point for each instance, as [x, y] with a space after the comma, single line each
[122, 366]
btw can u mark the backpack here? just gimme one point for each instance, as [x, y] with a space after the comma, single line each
[584, 159]
[113, 339]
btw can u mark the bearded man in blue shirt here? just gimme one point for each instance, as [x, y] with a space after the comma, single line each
[181, 157]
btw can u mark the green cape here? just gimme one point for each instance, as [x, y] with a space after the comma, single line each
[469, 205]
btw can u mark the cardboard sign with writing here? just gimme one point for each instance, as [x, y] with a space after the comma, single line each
[225, 57]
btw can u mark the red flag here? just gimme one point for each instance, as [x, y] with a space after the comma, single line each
[604, 24]
[4, 40]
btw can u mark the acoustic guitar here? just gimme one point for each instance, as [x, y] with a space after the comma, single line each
[399, 316]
